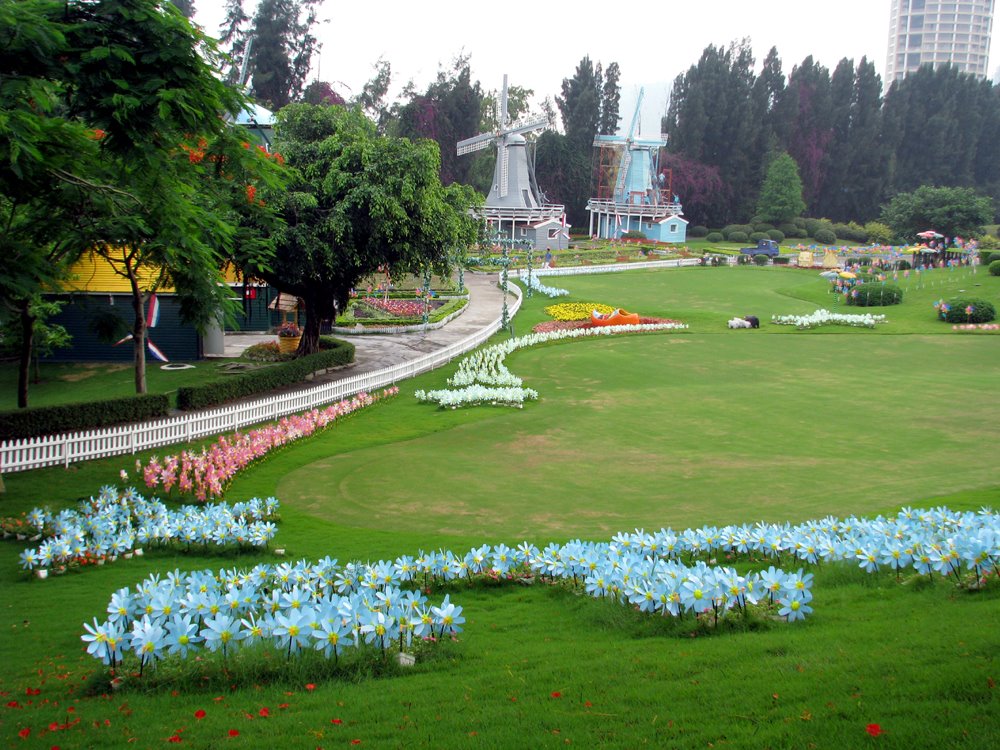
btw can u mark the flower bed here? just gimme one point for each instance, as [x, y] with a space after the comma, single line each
[116, 523]
[206, 474]
[535, 283]
[826, 318]
[571, 325]
[577, 310]
[482, 377]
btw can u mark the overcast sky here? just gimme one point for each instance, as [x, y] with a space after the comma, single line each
[539, 43]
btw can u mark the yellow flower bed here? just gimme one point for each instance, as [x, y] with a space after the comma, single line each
[576, 310]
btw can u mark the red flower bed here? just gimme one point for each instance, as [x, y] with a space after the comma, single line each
[568, 325]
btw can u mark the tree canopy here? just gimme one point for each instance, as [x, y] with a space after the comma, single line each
[358, 201]
[954, 212]
[781, 194]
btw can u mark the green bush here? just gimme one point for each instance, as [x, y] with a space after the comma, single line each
[761, 260]
[801, 223]
[737, 236]
[697, 231]
[878, 233]
[777, 235]
[995, 268]
[756, 237]
[789, 229]
[989, 242]
[817, 225]
[714, 237]
[903, 265]
[875, 294]
[333, 354]
[762, 226]
[992, 258]
[51, 420]
[780, 260]
[851, 231]
[825, 236]
[634, 234]
[729, 229]
[982, 311]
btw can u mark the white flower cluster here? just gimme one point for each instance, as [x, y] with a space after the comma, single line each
[826, 318]
[485, 367]
[549, 291]
[114, 524]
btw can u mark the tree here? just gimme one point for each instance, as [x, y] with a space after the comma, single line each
[372, 96]
[781, 194]
[186, 7]
[279, 44]
[359, 201]
[322, 93]
[611, 95]
[954, 212]
[808, 107]
[158, 171]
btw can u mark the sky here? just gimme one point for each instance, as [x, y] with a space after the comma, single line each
[539, 44]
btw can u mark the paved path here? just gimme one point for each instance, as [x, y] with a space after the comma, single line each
[375, 351]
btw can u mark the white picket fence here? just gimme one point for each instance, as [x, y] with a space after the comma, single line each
[67, 448]
[610, 268]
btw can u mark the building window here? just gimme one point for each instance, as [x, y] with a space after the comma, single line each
[673, 228]
[553, 233]
[523, 232]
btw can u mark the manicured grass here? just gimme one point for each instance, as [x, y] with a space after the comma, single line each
[704, 426]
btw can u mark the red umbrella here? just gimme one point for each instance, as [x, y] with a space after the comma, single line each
[930, 234]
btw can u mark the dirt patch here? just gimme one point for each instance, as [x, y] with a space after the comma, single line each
[88, 371]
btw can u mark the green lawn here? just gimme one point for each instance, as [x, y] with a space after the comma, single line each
[707, 426]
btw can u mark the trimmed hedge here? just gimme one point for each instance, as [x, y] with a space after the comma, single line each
[982, 311]
[51, 420]
[756, 237]
[777, 235]
[714, 237]
[761, 259]
[995, 268]
[334, 353]
[737, 236]
[825, 236]
[698, 231]
[875, 294]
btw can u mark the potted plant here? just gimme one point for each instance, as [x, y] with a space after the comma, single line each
[289, 335]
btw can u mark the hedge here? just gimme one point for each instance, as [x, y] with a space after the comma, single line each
[875, 294]
[714, 237]
[51, 420]
[982, 311]
[333, 354]
[995, 268]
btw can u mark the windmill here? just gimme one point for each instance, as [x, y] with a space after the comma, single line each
[630, 194]
[635, 172]
[512, 184]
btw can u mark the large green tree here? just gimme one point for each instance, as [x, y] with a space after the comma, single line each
[358, 201]
[780, 198]
[954, 212]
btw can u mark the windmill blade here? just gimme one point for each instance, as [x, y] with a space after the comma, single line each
[503, 170]
[541, 123]
[609, 140]
[503, 104]
[623, 174]
[635, 115]
[476, 143]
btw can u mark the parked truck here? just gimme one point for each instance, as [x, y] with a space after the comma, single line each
[764, 247]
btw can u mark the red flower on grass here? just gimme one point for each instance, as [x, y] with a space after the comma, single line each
[234, 732]
[310, 686]
[557, 694]
[336, 721]
[874, 730]
[24, 733]
[199, 714]
[264, 712]
[174, 738]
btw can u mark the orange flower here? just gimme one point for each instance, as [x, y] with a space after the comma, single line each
[251, 193]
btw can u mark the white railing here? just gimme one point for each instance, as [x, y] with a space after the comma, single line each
[67, 448]
[611, 268]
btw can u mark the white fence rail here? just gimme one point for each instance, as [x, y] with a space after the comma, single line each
[67, 448]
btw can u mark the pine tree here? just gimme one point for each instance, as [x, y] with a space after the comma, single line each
[781, 194]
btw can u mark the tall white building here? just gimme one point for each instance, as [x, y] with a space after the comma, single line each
[939, 32]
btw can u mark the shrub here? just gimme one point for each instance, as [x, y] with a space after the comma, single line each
[334, 352]
[789, 229]
[729, 229]
[777, 235]
[634, 234]
[761, 260]
[762, 226]
[825, 236]
[51, 420]
[697, 231]
[995, 268]
[757, 237]
[737, 236]
[993, 258]
[878, 233]
[815, 225]
[744, 260]
[982, 311]
[851, 231]
[714, 237]
[780, 260]
[875, 294]
[989, 242]
[800, 222]
[903, 265]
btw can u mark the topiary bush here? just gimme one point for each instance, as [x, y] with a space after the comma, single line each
[992, 258]
[714, 237]
[875, 294]
[904, 265]
[851, 231]
[757, 237]
[825, 236]
[995, 268]
[634, 234]
[697, 231]
[761, 260]
[737, 236]
[958, 311]
[777, 235]
[816, 225]
[762, 226]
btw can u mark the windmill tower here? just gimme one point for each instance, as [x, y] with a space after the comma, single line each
[513, 204]
[632, 194]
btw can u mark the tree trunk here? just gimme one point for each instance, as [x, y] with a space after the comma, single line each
[138, 334]
[318, 309]
[24, 363]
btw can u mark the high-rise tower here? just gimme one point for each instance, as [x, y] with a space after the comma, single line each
[939, 32]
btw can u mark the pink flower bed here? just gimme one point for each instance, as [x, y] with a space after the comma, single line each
[206, 474]
[569, 325]
[400, 308]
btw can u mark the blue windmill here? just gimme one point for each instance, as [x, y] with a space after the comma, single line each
[632, 193]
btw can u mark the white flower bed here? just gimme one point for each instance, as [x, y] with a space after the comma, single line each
[827, 318]
[549, 291]
[482, 377]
